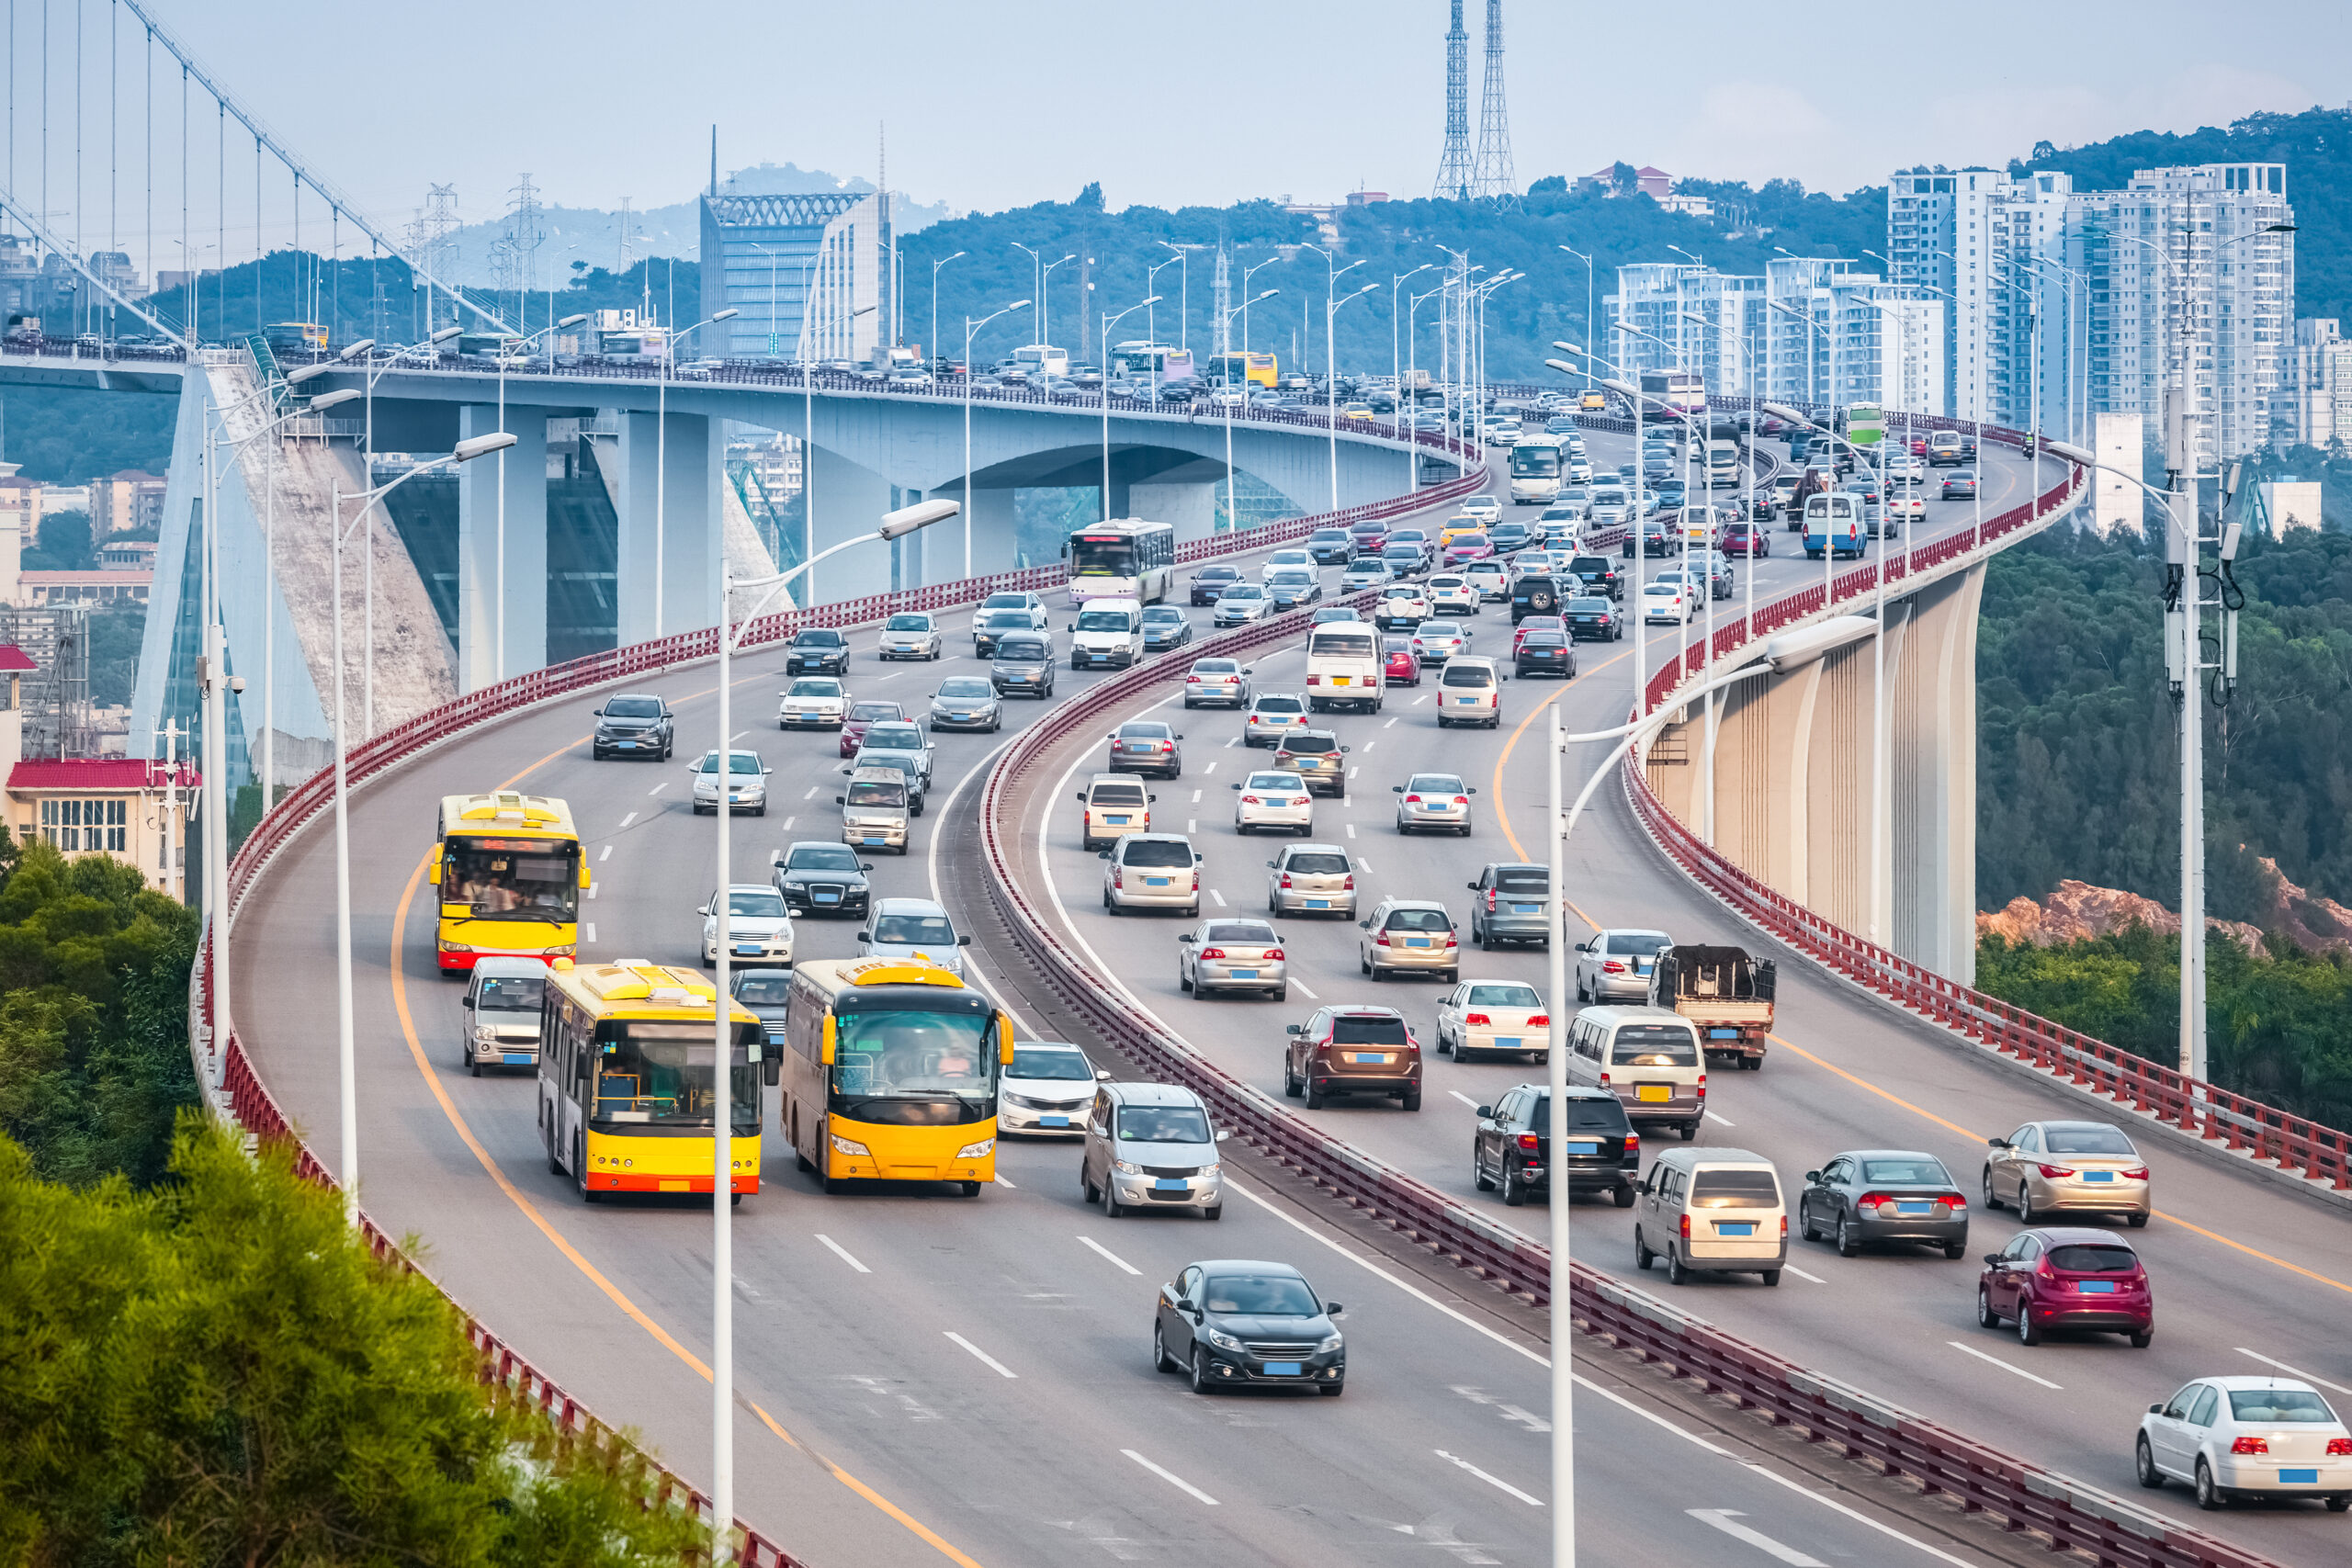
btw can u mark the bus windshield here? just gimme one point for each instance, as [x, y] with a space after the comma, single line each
[660, 1072]
[914, 1068]
[513, 879]
[1535, 463]
[1101, 555]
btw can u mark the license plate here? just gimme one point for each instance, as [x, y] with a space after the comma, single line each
[1723, 1034]
[960, 718]
[628, 745]
[1156, 881]
[2099, 1176]
[1744, 1228]
[1318, 903]
[2287, 1477]
[1653, 1093]
[1913, 1208]
[1372, 1058]
[1053, 1121]
[1526, 909]
[752, 952]
[1417, 942]
[1293, 1369]
[1584, 1146]
[2097, 1287]
[1245, 974]
[518, 1058]
[828, 897]
[1462, 701]
[1338, 680]
[1508, 1042]
[1116, 821]
[871, 838]
[1171, 1184]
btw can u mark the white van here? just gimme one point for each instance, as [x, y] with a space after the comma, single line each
[1649, 1056]
[1722, 464]
[1343, 666]
[1470, 692]
[1832, 523]
[1711, 1211]
[1107, 631]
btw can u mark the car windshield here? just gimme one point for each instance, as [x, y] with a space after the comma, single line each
[2080, 1258]
[1256, 933]
[894, 737]
[1056, 1062]
[1157, 854]
[1004, 602]
[1163, 1124]
[662, 1073]
[815, 687]
[818, 639]
[1637, 944]
[1587, 606]
[1542, 640]
[1217, 574]
[914, 930]
[1468, 675]
[1433, 784]
[511, 879]
[1369, 1029]
[1656, 1046]
[1118, 795]
[2295, 1405]
[1102, 621]
[908, 624]
[1504, 996]
[1317, 864]
[756, 901]
[1243, 591]
[512, 993]
[1281, 705]
[2094, 1140]
[1584, 1115]
[1261, 1296]
[877, 793]
[872, 713]
[1420, 920]
[1917, 1172]
[965, 686]
[1162, 615]
[1217, 667]
[1275, 782]
[1401, 552]
[633, 707]
[820, 857]
[1021, 652]
[1734, 1189]
[763, 990]
[998, 619]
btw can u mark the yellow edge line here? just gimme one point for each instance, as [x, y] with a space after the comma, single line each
[1502, 818]
[531, 1212]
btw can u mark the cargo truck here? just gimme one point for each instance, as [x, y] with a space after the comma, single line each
[1726, 995]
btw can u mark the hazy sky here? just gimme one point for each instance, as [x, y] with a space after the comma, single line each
[998, 104]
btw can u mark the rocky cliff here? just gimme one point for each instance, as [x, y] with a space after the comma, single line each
[2077, 911]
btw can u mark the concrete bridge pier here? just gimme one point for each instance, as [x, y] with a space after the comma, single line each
[667, 502]
[847, 500]
[522, 472]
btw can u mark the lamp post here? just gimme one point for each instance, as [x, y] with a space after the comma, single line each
[1634, 398]
[662, 455]
[934, 303]
[1037, 281]
[346, 1057]
[1413, 365]
[1232, 519]
[1332, 378]
[1152, 321]
[971, 326]
[1110, 320]
[1184, 293]
[1587, 299]
[1045, 314]
[1396, 339]
[894, 525]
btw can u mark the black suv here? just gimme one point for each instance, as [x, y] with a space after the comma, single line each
[1536, 595]
[1512, 1147]
[819, 878]
[1600, 575]
[820, 650]
[633, 725]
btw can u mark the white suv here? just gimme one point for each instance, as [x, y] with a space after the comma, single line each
[1470, 692]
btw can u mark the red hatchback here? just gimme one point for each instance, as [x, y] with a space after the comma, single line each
[2052, 1278]
[1535, 624]
[1402, 665]
[861, 716]
[1469, 547]
[1743, 539]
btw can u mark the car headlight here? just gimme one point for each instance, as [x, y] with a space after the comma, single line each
[1329, 1342]
[1211, 1170]
[1126, 1167]
[485, 1034]
[980, 1150]
[850, 1146]
[1222, 1340]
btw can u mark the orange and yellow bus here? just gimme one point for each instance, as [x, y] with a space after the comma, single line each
[1246, 368]
[890, 1071]
[509, 872]
[628, 1082]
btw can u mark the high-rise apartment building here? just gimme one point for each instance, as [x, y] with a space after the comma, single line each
[2313, 404]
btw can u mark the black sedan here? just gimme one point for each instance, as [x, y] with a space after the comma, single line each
[1545, 653]
[819, 878]
[1960, 484]
[1235, 1323]
[820, 650]
[1211, 580]
[1864, 1197]
[1165, 626]
[1593, 619]
[763, 992]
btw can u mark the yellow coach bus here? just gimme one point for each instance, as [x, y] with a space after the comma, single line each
[628, 1085]
[890, 1070]
[509, 871]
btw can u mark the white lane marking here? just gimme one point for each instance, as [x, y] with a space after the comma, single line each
[1001, 1181]
[1104, 1251]
[1218, 897]
[1232, 741]
[737, 736]
[1196, 800]
[2292, 1371]
[1369, 745]
[810, 796]
[657, 789]
[1721, 1519]
[2015, 1371]
[1310, 995]
[1210, 769]
[1463, 1097]
[628, 819]
[787, 828]
[1390, 725]
[1352, 772]
[1169, 1476]
[1809, 1278]
[842, 1252]
[590, 928]
[1192, 825]
[1494, 1481]
[1420, 700]
[892, 676]
[986, 1359]
[601, 859]
[1351, 830]
[1723, 1120]
[1364, 866]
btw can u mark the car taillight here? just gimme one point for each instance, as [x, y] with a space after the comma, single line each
[2137, 1173]
[2338, 1447]
[1685, 1227]
[1703, 1083]
[1876, 1200]
[1412, 800]
[1314, 680]
[1634, 1144]
[1953, 1201]
[1118, 878]
[2250, 1445]
[1285, 881]
[1450, 940]
[1539, 1020]
[1527, 1141]
[1191, 680]
[1348, 884]
[1216, 952]
[1252, 800]
[2054, 1172]
[1611, 966]
[1784, 1228]
[1273, 954]
[1604, 1080]
[1380, 939]
[1480, 1018]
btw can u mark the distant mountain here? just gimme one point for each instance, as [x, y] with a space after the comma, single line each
[594, 235]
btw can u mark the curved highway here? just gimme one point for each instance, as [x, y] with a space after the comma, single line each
[924, 1376]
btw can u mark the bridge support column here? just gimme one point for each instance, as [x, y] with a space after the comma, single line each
[847, 501]
[1191, 507]
[1931, 696]
[668, 499]
[521, 471]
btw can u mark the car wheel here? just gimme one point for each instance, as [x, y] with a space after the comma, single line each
[1643, 1256]
[1676, 1271]
[1688, 1130]
[2137, 1221]
[1849, 1243]
[1478, 1172]
[1985, 1316]
[1623, 1196]
[1280, 993]
[1183, 981]
[1771, 1276]
[1805, 1227]
[2208, 1497]
[1086, 1184]
[2029, 1331]
[1214, 1211]
[1956, 1250]
[2025, 1215]
[1412, 1098]
[1990, 1200]
[1161, 1361]
[2144, 1465]
[1293, 1085]
[1316, 1097]
[1112, 1208]
[1201, 1383]
[1514, 1193]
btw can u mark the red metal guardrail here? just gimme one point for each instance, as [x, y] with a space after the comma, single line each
[249, 1103]
[2072, 1515]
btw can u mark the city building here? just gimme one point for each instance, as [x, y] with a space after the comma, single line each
[811, 272]
[2291, 502]
[54, 590]
[132, 810]
[2313, 404]
[1655, 184]
[128, 554]
[130, 501]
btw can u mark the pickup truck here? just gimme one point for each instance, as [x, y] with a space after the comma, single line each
[1727, 994]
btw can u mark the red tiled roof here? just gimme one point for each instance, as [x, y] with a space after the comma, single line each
[15, 658]
[97, 773]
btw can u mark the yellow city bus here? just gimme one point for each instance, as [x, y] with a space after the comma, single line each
[1247, 368]
[890, 1070]
[627, 1086]
[509, 870]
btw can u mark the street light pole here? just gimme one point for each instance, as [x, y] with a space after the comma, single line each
[934, 302]
[1110, 320]
[971, 326]
[1588, 301]
[1332, 378]
[1183, 296]
[1413, 367]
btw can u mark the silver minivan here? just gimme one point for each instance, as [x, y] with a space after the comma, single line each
[1648, 1056]
[874, 811]
[1152, 871]
[501, 1003]
[1148, 1145]
[1712, 1211]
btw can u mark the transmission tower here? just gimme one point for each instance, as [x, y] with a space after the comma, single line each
[432, 242]
[1493, 175]
[525, 233]
[1457, 179]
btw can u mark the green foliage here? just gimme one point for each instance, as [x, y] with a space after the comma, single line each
[94, 1058]
[64, 545]
[2077, 756]
[116, 628]
[2279, 1023]
[217, 1370]
[66, 435]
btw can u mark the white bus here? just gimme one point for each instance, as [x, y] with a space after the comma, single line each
[1125, 557]
[1041, 360]
[1537, 463]
[1141, 361]
[1674, 395]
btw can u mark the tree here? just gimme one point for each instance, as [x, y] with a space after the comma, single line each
[64, 545]
[1089, 200]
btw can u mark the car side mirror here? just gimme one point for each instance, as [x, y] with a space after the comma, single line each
[765, 772]
[1486, 1111]
[703, 910]
[1234, 786]
[1102, 854]
[1270, 865]
[840, 800]
[1997, 1143]
[1396, 789]
[1223, 1133]
[465, 1002]
[2155, 1409]
[1365, 924]
[1079, 797]
[1184, 936]
[1471, 791]
[1333, 1309]
[1993, 1259]
[1814, 1177]
[1287, 1028]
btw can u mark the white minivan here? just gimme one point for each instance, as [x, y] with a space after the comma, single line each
[1107, 631]
[1714, 1212]
[1722, 464]
[1343, 666]
[1648, 1056]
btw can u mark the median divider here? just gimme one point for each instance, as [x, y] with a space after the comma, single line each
[2067, 1514]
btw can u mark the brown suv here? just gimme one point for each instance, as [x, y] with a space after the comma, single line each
[1315, 755]
[1353, 1050]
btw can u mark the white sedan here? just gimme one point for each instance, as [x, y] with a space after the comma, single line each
[1046, 1089]
[1665, 604]
[2266, 1436]
[1274, 800]
[1493, 1018]
[1454, 594]
[1484, 508]
[758, 925]
[1282, 560]
[812, 701]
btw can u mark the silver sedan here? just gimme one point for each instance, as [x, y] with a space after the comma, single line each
[1232, 955]
[1433, 802]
